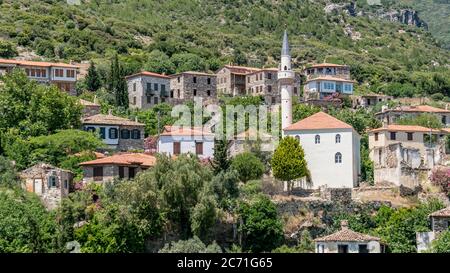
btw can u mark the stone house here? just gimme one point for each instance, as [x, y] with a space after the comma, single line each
[390, 116]
[231, 80]
[90, 108]
[323, 80]
[50, 183]
[440, 221]
[187, 85]
[369, 100]
[64, 76]
[264, 82]
[332, 150]
[182, 140]
[146, 89]
[122, 166]
[245, 140]
[117, 133]
[348, 241]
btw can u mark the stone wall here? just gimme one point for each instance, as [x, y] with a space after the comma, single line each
[343, 195]
[90, 110]
[439, 224]
[182, 86]
[131, 144]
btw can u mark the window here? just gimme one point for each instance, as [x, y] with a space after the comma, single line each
[171, 93]
[121, 172]
[43, 73]
[269, 88]
[393, 135]
[208, 80]
[98, 173]
[338, 158]
[320, 248]
[285, 68]
[269, 76]
[379, 156]
[33, 73]
[131, 172]
[273, 100]
[135, 134]
[248, 80]
[363, 249]
[27, 71]
[348, 88]
[70, 73]
[52, 181]
[134, 87]
[125, 134]
[149, 99]
[178, 79]
[376, 136]
[176, 148]
[195, 92]
[444, 120]
[194, 79]
[261, 76]
[66, 184]
[338, 138]
[155, 86]
[134, 100]
[178, 93]
[163, 89]
[410, 136]
[38, 73]
[208, 93]
[59, 73]
[113, 134]
[90, 129]
[295, 90]
[342, 248]
[102, 132]
[199, 148]
[149, 87]
[155, 100]
[317, 139]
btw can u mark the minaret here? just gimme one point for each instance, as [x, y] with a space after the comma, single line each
[286, 78]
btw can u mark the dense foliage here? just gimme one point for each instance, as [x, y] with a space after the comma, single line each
[248, 166]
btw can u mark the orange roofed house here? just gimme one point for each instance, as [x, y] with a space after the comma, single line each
[64, 76]
[146, 89]
[331, 150]
[403, 153]
[122, 165]
[390, 116]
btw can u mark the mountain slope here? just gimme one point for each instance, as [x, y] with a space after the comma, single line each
[175, 35]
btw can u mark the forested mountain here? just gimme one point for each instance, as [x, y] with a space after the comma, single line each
[174, 35]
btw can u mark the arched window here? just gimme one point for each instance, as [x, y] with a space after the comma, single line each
[338, 158]
[317, 139]
[338, 138]
[297, 138]
[285, 68]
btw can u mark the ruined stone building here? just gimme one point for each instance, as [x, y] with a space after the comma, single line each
[122, 166]
[390, 116]
[50, 183]
[369, 100]
[187, 85]
[348, 241]
[146, 89]
[62, 75]
[117, 133]
[402, 154]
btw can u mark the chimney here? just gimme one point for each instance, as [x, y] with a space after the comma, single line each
[344, 224]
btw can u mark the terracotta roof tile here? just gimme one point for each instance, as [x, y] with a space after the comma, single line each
[347, 235]
[418, 108]
[150, 74]
[330, 78]
[193, 73]
[140, 159]
[405, 128]
[441, 213]
[33, 63]
[110, 120]
[317, 121]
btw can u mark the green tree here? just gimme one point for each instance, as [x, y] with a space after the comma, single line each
[187, 62]
[93, 82]
[248, 166]
[302, 111]
[8, 174]
[261, 228]
[426, 120]
[288, 161]
[193, 245]
[117, 83]
[159, 62]
[161, 111]
[7, 50]
[221, 161]
[442, 243]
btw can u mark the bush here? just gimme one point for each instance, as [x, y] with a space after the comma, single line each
[441, 177]
[7, 50]
[248, 166]
[193, 245]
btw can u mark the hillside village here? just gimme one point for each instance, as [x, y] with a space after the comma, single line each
[102, 161]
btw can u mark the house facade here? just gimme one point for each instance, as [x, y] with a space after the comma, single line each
[117, 133]
[390, 116]
[182, 140]
[50, 183]
[187, 85]
[403, 153]
[348, 241]
[332, 150]
[324, 80]
[122, 166]
[90, 108]
[64, 76]
[369, 100]
[231, 80]
[146, 89]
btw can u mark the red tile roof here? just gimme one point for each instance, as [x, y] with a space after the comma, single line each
[241, 69]
[125, 159]
[318, 121]
[150, 74]
[33, 63]
[110, 120]
[347, 235]
[193, 73]
[330, 78]
[418, 108]
[405, 128]
[441, 213]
